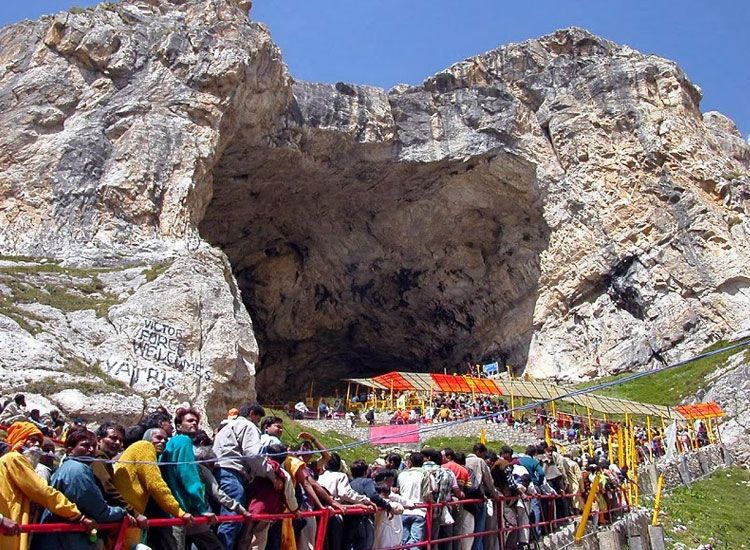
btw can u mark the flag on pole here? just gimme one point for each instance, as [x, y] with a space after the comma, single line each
[483, 436]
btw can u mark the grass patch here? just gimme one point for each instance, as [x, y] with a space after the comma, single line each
[65, 289]
[672, 386]
[77, 367]
[463, 444]
[48, 386]
[55, 267]
[76, 298]
[24, 318]
[156, 270]
[328, 439]
[31, 259]
[714, 510]
[103, 383]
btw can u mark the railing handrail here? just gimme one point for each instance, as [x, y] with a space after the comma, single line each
[324, 514]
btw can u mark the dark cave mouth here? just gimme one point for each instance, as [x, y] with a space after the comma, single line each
[353, 264]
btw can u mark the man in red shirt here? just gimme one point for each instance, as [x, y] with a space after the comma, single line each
[449, 462]
[464, 519]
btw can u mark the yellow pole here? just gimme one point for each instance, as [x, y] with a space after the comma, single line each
[348, 395]
[391, 394]
[718, 433]
[587, 508]
[621, 446]
[657, 500]
[591, 431]
[650, 438]
[634, 467]
[628, 461]
[710, 426]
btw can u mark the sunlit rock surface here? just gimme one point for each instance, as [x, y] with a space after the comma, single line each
[561, 205]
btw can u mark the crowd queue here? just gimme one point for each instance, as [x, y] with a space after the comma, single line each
[168, 467]
[566, 428]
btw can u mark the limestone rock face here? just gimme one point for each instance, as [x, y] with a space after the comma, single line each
[114, 117]
[560, 204]
[107, 342]
[112, 121]
[729, 386]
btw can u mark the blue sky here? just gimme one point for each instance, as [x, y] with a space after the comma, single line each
[385, 42]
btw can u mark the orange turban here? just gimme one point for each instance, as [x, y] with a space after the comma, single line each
[19, 432]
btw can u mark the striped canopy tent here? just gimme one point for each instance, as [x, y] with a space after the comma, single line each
[367, 382]
[700, 411]
[424, 382]
[530, 389]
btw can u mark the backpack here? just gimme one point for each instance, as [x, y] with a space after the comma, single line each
[473, 490]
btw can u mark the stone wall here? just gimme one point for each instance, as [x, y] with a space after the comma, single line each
[495, 432]
[633, 525]
[341, 426]
[682, 469]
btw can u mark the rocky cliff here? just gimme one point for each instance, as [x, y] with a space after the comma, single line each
[560, 204]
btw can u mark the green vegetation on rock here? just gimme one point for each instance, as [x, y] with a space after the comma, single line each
[154, 271]
[63, 288]
[98, 382]
[712, 511]
[669, 387]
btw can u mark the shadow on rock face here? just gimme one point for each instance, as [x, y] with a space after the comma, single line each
[353, 262]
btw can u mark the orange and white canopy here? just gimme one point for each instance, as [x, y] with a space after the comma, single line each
[530, 389]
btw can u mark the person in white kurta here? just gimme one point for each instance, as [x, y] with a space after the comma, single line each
[389, 529]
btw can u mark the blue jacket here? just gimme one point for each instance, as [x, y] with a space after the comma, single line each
[535, 468]
[76, 481]
[184, 480]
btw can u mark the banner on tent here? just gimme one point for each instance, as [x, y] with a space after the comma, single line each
[394, 433]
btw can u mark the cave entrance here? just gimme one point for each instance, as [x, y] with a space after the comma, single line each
[353, 263]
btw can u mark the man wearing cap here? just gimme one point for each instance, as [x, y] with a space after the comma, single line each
[20, 486]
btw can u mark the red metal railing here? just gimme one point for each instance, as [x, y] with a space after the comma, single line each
[324, 515]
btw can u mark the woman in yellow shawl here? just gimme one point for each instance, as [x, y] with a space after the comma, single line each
[137, 477]
[20, 485]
